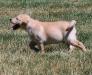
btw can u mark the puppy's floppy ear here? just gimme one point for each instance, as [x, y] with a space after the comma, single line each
[24, 24]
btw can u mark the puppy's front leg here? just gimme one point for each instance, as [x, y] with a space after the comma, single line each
[32, 45]
[41, 46]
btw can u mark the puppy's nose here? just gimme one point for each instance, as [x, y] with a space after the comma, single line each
[10, 19]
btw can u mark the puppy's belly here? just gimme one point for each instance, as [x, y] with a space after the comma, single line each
[52, 41]
[54, 37]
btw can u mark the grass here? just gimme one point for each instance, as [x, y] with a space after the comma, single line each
[16, 58]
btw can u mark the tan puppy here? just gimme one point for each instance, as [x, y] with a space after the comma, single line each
[42, 32]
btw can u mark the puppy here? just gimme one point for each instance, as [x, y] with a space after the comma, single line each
[42, 32]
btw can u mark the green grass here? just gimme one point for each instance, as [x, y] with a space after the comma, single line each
[16, 58]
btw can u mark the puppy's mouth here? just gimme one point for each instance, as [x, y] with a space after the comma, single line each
[16, 26]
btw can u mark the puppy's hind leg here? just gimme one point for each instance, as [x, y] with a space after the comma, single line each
[72, 40]
[78, 44]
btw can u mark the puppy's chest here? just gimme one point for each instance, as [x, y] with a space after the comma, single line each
[36, 35]
[33, 36]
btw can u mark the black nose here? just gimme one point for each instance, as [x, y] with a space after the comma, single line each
[10, 19]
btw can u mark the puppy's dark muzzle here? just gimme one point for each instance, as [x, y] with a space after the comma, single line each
[16, 26]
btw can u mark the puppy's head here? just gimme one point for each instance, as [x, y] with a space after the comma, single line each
[20, 21]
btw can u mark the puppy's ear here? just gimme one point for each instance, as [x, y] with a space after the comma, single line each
[23, 25]
[25, 22]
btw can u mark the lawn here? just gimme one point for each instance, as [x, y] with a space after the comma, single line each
[16, 58]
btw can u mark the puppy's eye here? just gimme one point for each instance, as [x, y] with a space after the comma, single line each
[17, 19]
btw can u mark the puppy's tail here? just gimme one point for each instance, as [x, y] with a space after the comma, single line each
[71, 26]
[72, 23]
